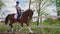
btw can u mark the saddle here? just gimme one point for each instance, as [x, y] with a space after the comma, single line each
[16, 15]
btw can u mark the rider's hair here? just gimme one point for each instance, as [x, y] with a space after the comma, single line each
[17, 1]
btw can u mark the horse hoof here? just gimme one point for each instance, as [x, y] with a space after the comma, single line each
[19, 30]
[31, 32]
[7, 30]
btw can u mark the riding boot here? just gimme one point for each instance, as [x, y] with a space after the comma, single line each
[18, 16]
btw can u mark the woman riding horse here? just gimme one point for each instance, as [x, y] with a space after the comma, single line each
[18, 10]
[26, 16]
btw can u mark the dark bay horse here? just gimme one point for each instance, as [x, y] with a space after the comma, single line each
[26, 16]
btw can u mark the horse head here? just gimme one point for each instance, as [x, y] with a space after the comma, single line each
[29, 12]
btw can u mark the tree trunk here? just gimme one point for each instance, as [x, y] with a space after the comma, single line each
[39, 12]
[29, 4]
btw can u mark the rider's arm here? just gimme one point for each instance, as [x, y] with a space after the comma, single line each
[21, 9]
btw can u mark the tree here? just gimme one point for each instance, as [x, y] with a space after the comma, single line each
[1, 4]
[58, 8]
[29, 4]
[41, 6]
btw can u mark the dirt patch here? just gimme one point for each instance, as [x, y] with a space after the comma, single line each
[16, 33]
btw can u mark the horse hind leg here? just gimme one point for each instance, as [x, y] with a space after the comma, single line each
[11, 27]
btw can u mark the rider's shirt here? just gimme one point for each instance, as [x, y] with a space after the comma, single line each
[18, 9]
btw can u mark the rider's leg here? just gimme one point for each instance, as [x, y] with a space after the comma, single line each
[18, 16]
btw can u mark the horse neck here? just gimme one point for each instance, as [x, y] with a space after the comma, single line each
[28, 13]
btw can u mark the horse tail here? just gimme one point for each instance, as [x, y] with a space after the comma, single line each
[6, 19]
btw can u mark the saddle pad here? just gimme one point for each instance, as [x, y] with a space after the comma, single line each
[15, 16]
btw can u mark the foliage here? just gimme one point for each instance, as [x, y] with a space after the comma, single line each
[51, 22]
[58, 8]
[41, 6]
[51, 30]
[1, 4]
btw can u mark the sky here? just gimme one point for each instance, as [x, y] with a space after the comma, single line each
[22, 2]
[10, 7]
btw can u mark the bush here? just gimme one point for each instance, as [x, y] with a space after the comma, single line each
[50, 21]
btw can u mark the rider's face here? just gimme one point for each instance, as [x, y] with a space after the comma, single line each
[17, 3]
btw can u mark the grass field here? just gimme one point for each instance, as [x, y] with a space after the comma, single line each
[25, 29]
[32, 24]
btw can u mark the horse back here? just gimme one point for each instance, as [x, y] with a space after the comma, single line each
[11, 15]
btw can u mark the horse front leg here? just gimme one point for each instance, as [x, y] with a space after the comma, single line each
[21, 27]
[29, 28]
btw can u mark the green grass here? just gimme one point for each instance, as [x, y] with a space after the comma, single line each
[25, 29]
[44, 30]
[51, 30]
[3, 28]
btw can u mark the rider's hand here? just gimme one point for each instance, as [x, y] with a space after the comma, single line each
[22, 10]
